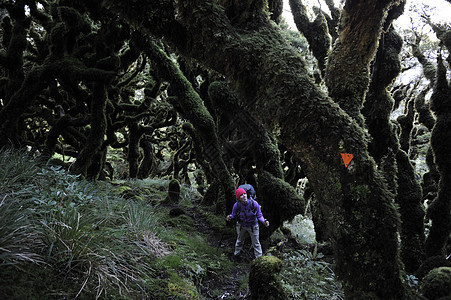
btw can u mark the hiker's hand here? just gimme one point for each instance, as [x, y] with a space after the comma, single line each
[266, 223]
[228, 218]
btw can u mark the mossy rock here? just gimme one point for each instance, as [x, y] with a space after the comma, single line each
[264, 281]
[173, 192]
[437, 284]
[174, 287]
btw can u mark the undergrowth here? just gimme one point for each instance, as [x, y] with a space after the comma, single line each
[77, 239]
[62, 237]
[306, 276]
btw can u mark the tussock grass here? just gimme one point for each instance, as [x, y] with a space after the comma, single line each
[82, 234]
[18, 237]
[18, 168]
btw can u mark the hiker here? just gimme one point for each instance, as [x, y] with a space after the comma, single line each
[248, 213]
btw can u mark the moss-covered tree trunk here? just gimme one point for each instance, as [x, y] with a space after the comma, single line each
[191, 107]
[278, 198]
[271, 77]
[425, 117]
[133, 149]
[96, 135]
[440, 209]
[386, 149]
[316, 32]
[14, 39]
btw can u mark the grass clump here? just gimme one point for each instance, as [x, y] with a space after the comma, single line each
[76, 236]
[64, 237]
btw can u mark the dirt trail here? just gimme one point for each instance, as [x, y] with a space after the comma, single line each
[229, 284]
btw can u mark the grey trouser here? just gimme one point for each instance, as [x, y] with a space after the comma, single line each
[241, 237]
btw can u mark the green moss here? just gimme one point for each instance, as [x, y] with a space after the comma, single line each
[437, 284]
[289, 203]
[182, 222]
[362, 191]
[412, 213]
[73, 19]
[172, 261]
[174, 287]
[264, 281]
[439, 210]
[31, 281]
[182, 290]
[218, 223]
[173, 191]
[278, 236]
[191, 107]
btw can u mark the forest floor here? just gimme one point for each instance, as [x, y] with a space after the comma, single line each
[233, 284]
[230, 284]
[125, 240]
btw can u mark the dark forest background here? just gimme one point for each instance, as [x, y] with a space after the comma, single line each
[213, 94]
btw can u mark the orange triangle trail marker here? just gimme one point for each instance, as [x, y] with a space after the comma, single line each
[347, 157]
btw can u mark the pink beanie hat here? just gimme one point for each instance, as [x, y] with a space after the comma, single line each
[239, 192]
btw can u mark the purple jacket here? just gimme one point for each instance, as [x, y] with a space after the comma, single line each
[247, 217]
